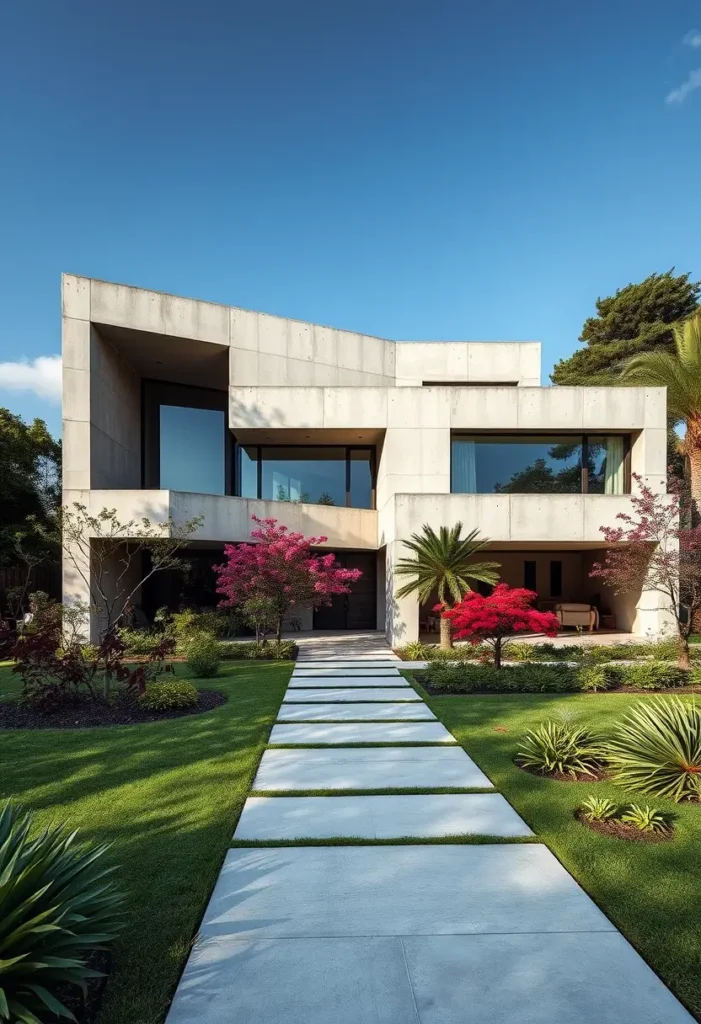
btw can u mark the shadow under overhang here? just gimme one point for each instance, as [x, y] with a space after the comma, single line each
[163, 357]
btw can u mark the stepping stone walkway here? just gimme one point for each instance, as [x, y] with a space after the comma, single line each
[408, 933]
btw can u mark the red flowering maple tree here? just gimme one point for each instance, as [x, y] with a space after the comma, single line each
[499, 618]
[655, 552]
[281, 566]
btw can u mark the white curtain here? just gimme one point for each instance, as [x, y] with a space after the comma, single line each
[464, 468]
[613, 471]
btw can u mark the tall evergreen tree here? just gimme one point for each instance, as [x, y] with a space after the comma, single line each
[637, 319]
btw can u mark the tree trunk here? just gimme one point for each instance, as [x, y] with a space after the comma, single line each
[446, 634]
[693, 454]
[497, 653]
[684, 657]
[279, 628]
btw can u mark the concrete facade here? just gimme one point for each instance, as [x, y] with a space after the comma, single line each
[288, 382]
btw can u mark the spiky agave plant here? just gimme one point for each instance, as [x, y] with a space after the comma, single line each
[598, 808]
[560, 748]
[645, 819]
[57, 905]
[656, 749]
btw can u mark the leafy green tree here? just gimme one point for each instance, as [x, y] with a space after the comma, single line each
[680, 372]
[30, 492]
[442, 565]
[637, 319]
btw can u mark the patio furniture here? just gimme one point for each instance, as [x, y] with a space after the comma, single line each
[577, 615]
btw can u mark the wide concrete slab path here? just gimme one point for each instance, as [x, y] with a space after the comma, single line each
[397, 934]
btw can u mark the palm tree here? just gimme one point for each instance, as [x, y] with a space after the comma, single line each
[442, 564]
[680, 373]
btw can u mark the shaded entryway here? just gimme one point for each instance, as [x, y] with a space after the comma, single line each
[358, 609]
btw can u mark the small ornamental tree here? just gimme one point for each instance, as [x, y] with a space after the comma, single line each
[282, 567]
[659, 555]
[499, 618]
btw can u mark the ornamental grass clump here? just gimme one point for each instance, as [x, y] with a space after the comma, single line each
[558, 748]
[656, 749]
[203, 655]
[645, 819]
[598, 808]
[57, 906]
[169, 696]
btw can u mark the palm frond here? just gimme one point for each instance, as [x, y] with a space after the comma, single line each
[442, 563]
[679, 372]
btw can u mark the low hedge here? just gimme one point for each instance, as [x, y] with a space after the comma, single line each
[175, 695]
[531, 677]
[272, 650]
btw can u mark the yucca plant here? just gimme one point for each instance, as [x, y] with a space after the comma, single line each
[443, 565]
[646, 819]
[57, 905]
[656, 749]
[598, 808]
[559, 748]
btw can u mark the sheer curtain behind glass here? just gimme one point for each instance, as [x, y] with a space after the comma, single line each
[614, 476]
[464, 467]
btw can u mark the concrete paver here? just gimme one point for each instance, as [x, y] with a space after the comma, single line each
[379, 817]
[406, 694]
[333, 733]
[297, 682]
[369, 768]
[344, 712]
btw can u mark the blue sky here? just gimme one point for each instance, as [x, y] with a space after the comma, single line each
[434, 170]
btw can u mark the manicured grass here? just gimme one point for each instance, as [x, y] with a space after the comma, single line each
[652, 892]
[168, 796]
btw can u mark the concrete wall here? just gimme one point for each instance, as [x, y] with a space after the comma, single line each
[468, 361]
[115, 418]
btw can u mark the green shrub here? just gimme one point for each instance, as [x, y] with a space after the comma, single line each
[169, 696]
[517, 650]
[547, 651]
[272, 650]
[526, 678]
[415, 651]
[646, 819]
[185, 624]
[138, 641]
[598, 808]
[560, 748]
[57, 905]
[593, 678]
[653, 675]
[656, 748]
[203, 655]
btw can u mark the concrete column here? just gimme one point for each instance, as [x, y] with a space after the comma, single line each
[402, 614]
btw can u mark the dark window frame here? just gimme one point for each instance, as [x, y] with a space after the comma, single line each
[154, 394]
[584, 442]
[347, 448]
[556, 574]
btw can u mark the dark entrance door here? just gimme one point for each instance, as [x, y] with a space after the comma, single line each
[357, 610]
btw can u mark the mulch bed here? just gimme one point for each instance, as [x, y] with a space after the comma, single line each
[598, 776]
[621, 830]
[89, 714]
[86, 1008]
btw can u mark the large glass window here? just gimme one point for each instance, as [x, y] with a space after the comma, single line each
[316, 475]
[323, 475]
[538, 464]
[192, 445]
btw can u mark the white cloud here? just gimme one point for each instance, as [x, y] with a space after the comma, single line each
[41, 375]
[680, 94]
[693, 38]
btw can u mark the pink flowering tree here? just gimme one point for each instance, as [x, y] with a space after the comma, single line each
[654, 552]
[495, 620]
[281, 567]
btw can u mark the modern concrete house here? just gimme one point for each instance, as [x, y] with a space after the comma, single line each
[177, 407]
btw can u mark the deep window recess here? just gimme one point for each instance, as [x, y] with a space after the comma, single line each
[320, 475]
[529, 575]
[540, 464]
[556, 578]
[185, 439]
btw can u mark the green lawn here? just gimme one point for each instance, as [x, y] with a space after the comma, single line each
[168, 796]
[651, 892]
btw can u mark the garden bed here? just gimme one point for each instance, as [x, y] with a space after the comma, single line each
[621, 830]
[599, 776]
[89, 714]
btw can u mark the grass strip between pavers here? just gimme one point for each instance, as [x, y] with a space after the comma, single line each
[457, 840]
[399, 791]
